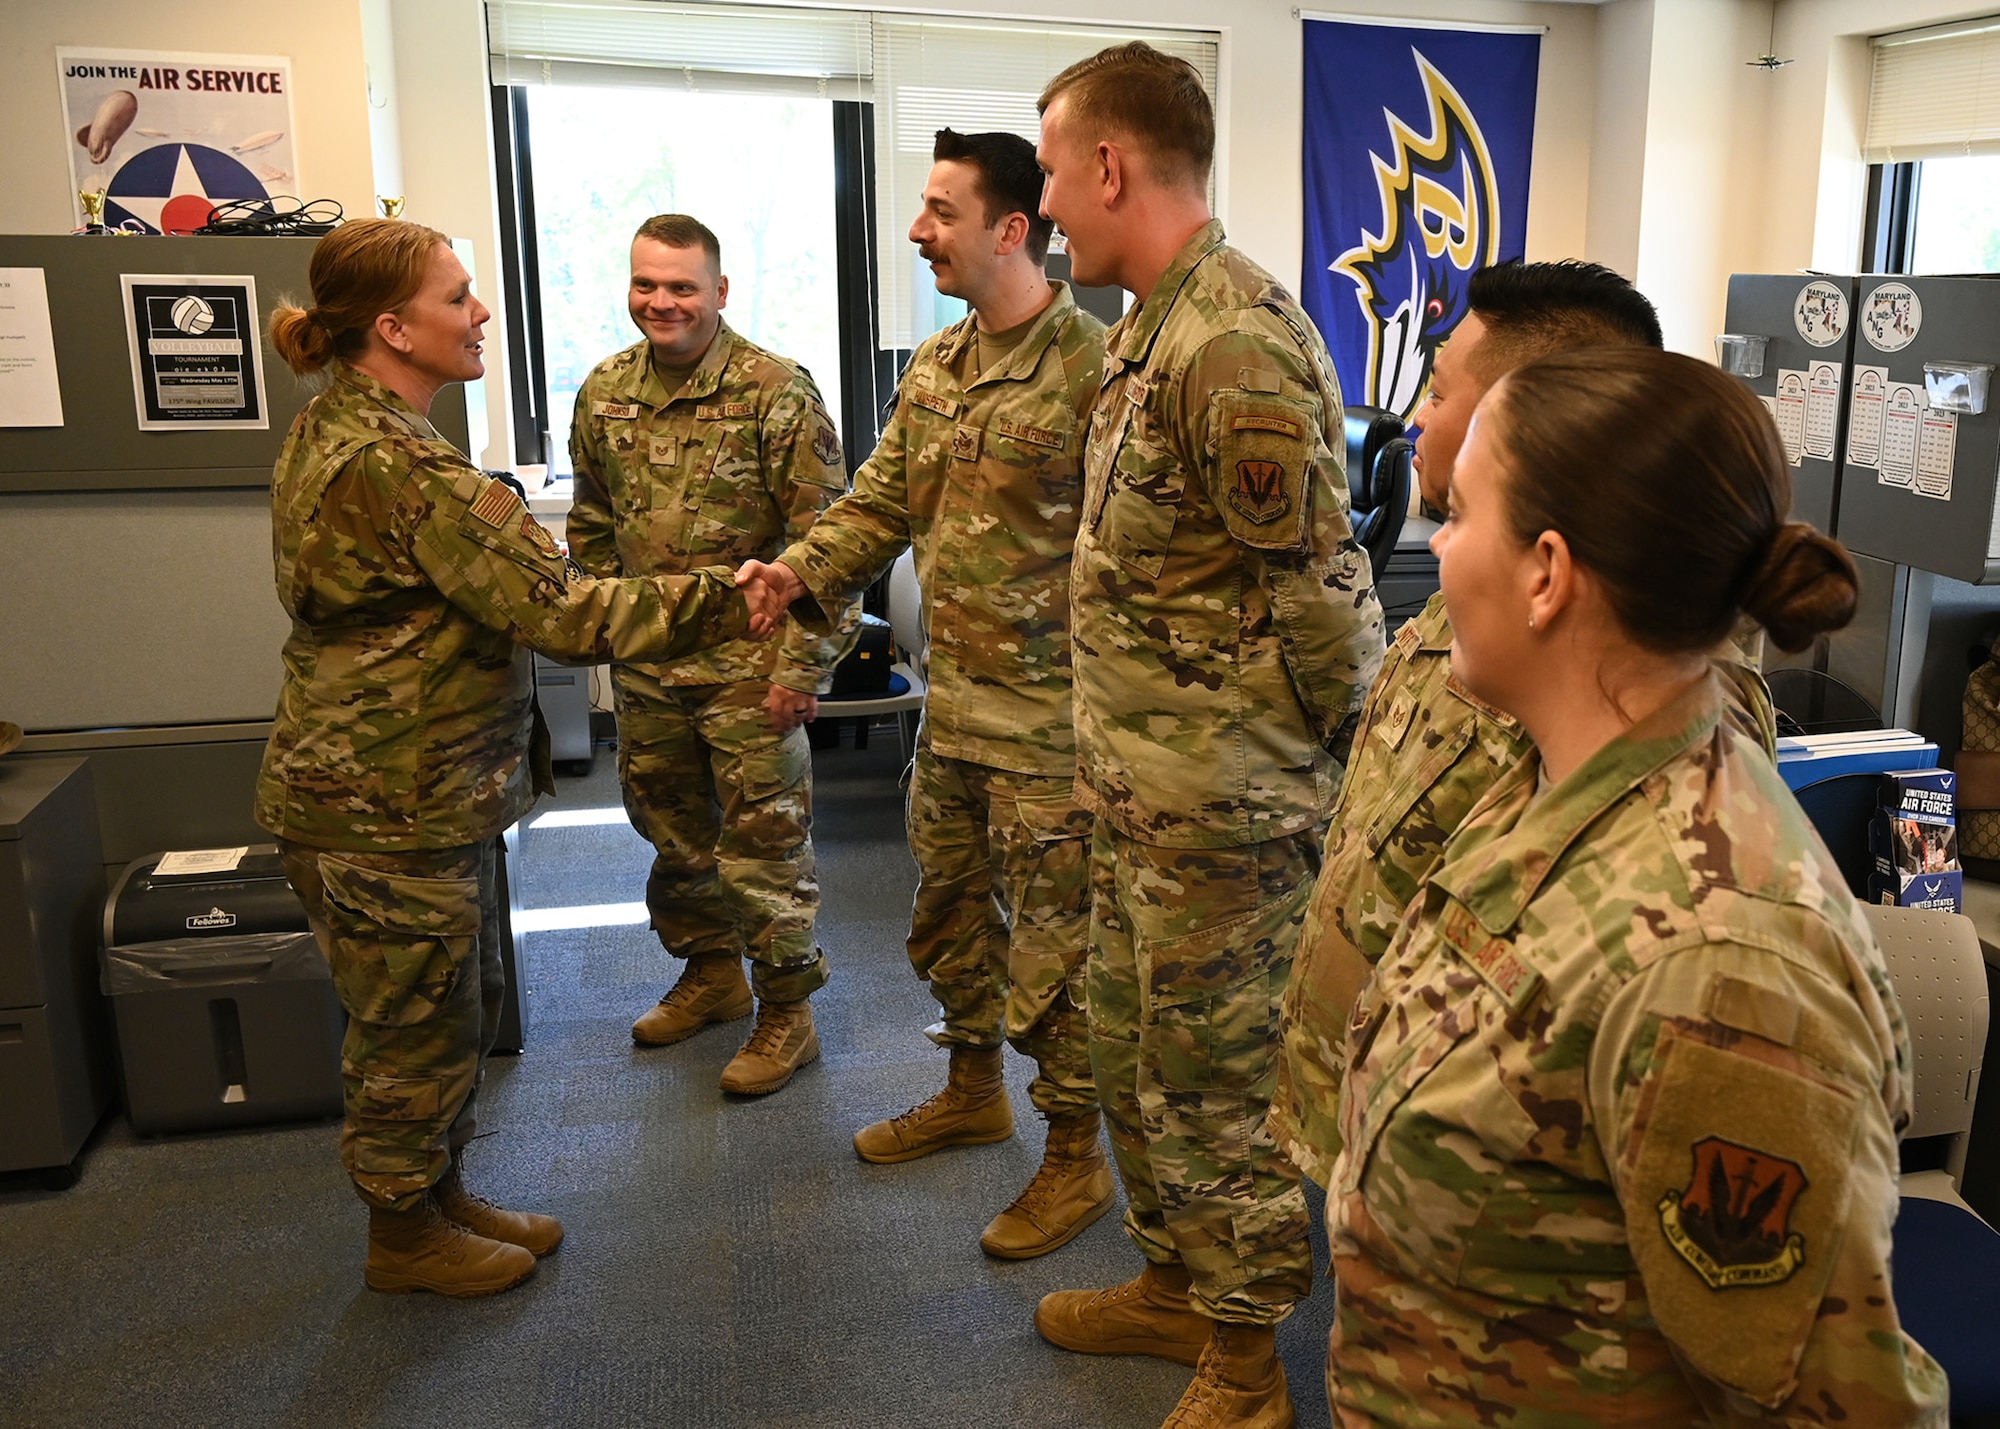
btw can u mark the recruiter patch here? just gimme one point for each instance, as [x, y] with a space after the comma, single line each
[1732, 1221]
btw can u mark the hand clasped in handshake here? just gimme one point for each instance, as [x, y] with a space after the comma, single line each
[769, 591]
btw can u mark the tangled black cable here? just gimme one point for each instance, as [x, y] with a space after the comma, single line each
[264, 217]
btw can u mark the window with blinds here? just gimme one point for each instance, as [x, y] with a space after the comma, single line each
[922, 73]
[1935, 93]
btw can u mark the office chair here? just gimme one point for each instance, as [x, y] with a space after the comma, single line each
[905, 696]
[1378, 481]
[1946, 1259]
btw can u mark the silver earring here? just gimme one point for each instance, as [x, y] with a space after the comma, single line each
[1531, 622]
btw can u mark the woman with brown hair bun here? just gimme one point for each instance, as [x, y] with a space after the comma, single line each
[407, 736]
[1621, 1109]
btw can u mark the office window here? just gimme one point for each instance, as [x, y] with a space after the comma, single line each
[1955, 225]
[606, 159]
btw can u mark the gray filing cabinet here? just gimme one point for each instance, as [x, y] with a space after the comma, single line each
[55, 1053]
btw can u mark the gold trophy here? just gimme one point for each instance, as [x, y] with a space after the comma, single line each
[391, 207]
[93, 209]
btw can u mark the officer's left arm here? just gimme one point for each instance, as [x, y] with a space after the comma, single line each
[802, 463]
[1253, 417]
[1738, 1096]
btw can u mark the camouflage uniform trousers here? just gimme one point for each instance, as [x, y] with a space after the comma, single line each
[414, 943]
[726, 803]
[1001, 922]
[1189, 952]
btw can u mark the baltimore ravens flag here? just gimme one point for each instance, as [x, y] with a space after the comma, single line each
[1417, 144]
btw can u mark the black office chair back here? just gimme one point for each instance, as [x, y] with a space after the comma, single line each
[1369, 429]
[1379, 473]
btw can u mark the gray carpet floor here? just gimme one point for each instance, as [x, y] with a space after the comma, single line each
[729, 1262]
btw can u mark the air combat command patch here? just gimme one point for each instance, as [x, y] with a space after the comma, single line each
[1259, 491]
[1732, 1221]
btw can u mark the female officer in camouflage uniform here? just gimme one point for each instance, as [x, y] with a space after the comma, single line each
[1620, 1119]
[406, 735]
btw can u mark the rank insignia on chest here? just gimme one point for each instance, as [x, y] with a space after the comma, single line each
[1259, 491]
[1732, 1221]
[623, 411]
[539, 536]
[495, 504]
[664, 451]
[965, 443]
[826, 446]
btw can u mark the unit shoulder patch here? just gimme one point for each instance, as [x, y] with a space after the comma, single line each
[538, 535]
[826, 445]
[1732, 1220]
[1263, 453]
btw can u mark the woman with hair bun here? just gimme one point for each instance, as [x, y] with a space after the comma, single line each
[407, 737]
[1623, 1093]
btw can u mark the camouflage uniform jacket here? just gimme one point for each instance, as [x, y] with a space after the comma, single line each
[1620, 1120]
[407, 713]
[982, 480]
[1426, 750]
[1224, 620]
[726, 470]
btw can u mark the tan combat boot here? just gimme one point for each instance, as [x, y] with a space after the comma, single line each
[538, 1235]
[782, 1042]
[1072, 1189]
[419, 1249]
[1147, 1316]
[1239, 1384]
[972, 1110]
[711, 989]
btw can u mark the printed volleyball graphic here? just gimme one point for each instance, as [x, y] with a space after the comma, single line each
[193, 316]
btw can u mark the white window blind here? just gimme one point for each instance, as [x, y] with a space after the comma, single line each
[733, 49]
[1935, 93]
[934, 72]
[923, 73]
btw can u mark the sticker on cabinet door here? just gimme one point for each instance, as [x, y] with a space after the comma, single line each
[1820, 313]
[1891, 317]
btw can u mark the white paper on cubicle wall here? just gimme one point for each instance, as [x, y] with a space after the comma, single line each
[30, 395]
[1790, 411]
[197, 363]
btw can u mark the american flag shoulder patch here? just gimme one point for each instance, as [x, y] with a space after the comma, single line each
[496, 504]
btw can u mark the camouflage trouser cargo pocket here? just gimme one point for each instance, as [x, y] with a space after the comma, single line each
[1213, 997]
[762, 773]
[400, 944]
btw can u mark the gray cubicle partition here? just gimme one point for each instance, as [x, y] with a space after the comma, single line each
[135, 567]
[1808, 325]
[1918, 484]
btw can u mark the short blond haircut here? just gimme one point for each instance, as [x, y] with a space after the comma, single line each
[1153, 99]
